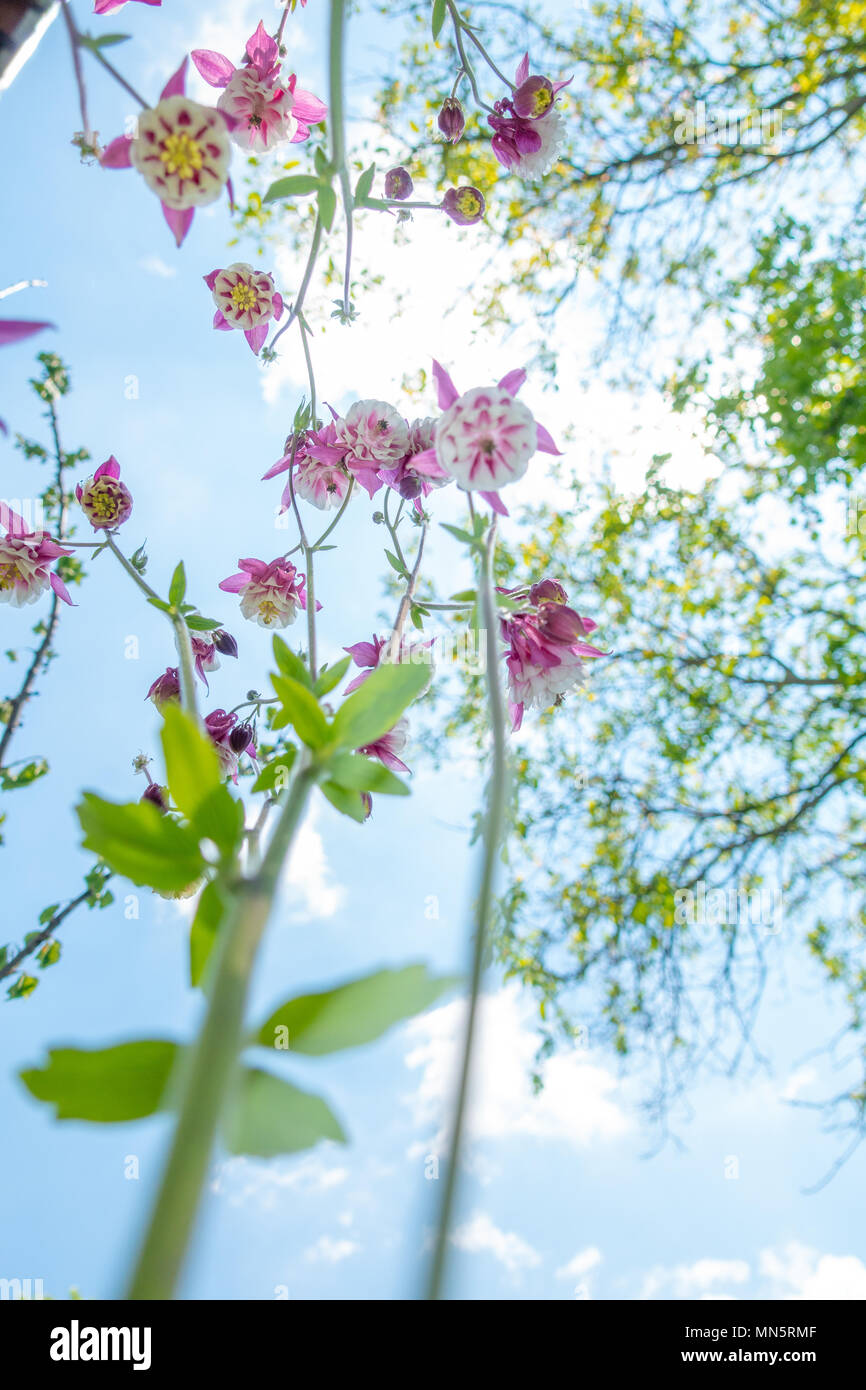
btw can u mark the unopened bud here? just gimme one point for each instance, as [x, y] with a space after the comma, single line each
[224, 642]
[451, 120]
[398, 183]
[157, 795]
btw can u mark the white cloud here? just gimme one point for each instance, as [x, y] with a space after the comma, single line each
[697, 1280]
[331, 1251]
[576, 1104]
[797, 1272]
[799, 1081]
[580, 1264]
[479, 1235]
[306, 882]
[155, 265]
[241, 1180]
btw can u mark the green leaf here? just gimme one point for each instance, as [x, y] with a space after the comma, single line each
[302, 709]
[159, 603]
[277, 771]
[290, 663]
[191, 762]
[220, 817]
[327, 204]
[355, 1013]
[438, 18]
[204, 929]
[292, 187]
[347, 803]
[376, 706]
[101, 41]
[140, 842]
[24, 985]
[460, 535]
[269, 1116]
[395, 563]
[108, 1085]
[12, 778]
[177, 587]
[357, 773]
[47, 913]
[196, 623]
[49, 954]
[464, 596]
[364, 186]
[331, 676]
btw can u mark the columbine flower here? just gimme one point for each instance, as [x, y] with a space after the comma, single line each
[205, 657]
[157, 795]
[365, 655]
[224, 642]
[374, 437]
[389, 745]
[104, 499]
[486, 437]
[263, 110]
[165, 688]
[271, 594]
[370, 655]
[230, 739]
[546, 651]
[26, 558]
[398, 184]
[319, 476]
[419, 472]
[464, 205]
[528, 129]
[246, 299]
[109, 6]
[451, 120]
[181, 150]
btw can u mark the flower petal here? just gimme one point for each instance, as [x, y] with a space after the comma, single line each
[116, 154]
[545, 441]
[513, 381]
[13, 330]
[522, 71]
[256, 337]
[180, 222]
[308, 108]
[496, 502]
[60, 589]
[176, 84]
[445, 387]
[215, 68]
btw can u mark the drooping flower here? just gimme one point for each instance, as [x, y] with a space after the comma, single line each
[527, 128]
[104, 499]
[271, 593]
[389, 745]
[26, 558]
[109, 6]
[398, 184]
[486, 437]
[182, 151]
[374, 436]
[245, 299]
[381, 651]
[204, 655]
[319, 476]
[165, 688]
[263, 109]
[451, 120]
[546, 650]
[464, 205]
[419, 473]
[230, 739]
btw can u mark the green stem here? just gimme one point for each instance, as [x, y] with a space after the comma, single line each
[305, 284]
[310, 595]
[494, 825]
[186, 668]
[328, 529]
[209, 1072]
[337, 126]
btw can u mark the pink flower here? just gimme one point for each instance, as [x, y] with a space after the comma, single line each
[451, 120]
[271, 594]
[464, 205]
[389, 745]
[165, 688]
[366, 655]
[104, 499]
[109, 6]
[528, 129]
[204, 653]
[369, 655]
[26, 558]
[181, 150]
[319, 476]
[546, 652]
[374, 436]
[245, 299]
[262, 109]
[419, 473]
[230, 739]
[486, 437]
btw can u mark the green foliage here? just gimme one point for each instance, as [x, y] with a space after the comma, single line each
[109, 1085]
[269, 1116]
[141, 843]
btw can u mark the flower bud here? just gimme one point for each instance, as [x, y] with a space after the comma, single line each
[398, 183]
[240, 738]
[547, 590]
[165, 688]
[451, 120]
[560, 623]
[224, 642]
[464, 205]
[104, 499]
[157, 795]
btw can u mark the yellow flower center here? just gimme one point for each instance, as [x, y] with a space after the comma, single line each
[8, 575]
[181, 155]
[268, 612]
[541, 100]
[243, 296]
[468, 202]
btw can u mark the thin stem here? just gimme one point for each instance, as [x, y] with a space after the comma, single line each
[118, 77]
[337, 127]
[72, 31]
[311, 376]
[328, 529]
[186, 668]
[310, 595]
[208, 1076]
[388, 203]
[393, 643]
[39, 938]
[283, 17]
[494, 824]
[487, 58]
[392, 529]
[305, 284]
[458, 25]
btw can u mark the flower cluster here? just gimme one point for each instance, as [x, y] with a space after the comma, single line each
[546, 652]
[262, 108]
[527, 127]
[26, 558]
[231, 739]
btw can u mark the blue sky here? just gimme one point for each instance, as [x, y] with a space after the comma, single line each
[560, 1200]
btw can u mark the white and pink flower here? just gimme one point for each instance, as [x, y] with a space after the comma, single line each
[26, 558]
[246, 299]
[374, 436]
[387, 748]
[271, 593]
[546, 652]
[104, 499]
[263, 109]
